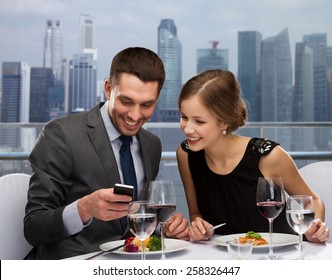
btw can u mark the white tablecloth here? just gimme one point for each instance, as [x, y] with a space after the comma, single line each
[209, 250]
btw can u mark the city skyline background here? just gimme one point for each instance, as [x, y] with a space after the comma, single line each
[179, 28]
[120, 24]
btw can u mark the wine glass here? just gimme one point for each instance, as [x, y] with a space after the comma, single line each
[142, 221]
[300, 213]
[161, 197]
[270, 201]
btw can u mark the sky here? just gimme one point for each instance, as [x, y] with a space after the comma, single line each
[123, 23]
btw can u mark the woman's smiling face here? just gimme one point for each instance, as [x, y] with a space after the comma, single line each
[200, 126]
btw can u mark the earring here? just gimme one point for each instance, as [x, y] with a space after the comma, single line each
[224, 132]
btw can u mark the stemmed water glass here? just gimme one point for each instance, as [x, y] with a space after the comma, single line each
[142, 221]
[161, 197]
[300, 213]
[270, 201]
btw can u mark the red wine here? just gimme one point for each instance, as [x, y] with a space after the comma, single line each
[163, 211]
[270, 209]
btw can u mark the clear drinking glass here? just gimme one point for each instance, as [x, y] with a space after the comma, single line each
[239, 251]
[300, 213]
[270, 201]
[161, 197]
[142, 221]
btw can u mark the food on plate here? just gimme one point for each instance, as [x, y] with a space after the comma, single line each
[254, 237]
[155, 243]
[130, 246]
[133, 244]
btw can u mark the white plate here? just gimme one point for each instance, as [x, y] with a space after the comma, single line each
[171, 245]
[278, 239]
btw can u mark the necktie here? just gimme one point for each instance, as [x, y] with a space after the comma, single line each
[127, 163]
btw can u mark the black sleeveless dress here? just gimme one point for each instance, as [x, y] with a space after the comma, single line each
[231, 198]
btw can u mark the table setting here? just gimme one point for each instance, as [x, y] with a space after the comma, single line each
[144, 216]
[286, 246]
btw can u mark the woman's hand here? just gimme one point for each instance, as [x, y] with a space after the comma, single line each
[318, 232]
[199, 230]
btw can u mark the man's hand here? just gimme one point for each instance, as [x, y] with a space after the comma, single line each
[177, 227]
[103, 205]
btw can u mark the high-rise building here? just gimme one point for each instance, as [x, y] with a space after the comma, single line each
[82, 70]
[87, 35]
[276, 87]
[303, 101]
[303, 98]
[82, 83]
[15, 100]
[170, 52]
[318, 44]
[212, 58]
[53, 47]
[65, 78]
[15, 92]
[249, 71]
[56, 101]
[52, 59]
[42, 81]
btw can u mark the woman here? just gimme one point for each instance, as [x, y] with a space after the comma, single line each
[220, 169]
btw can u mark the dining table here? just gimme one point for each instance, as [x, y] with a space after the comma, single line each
[184, 260]
[213, 250]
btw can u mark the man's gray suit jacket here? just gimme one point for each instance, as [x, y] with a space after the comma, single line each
[72, 158]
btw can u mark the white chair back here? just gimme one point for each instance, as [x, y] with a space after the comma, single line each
[317, 175]
[13, 198]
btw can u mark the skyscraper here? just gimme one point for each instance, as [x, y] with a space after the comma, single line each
[82, 83]
[53, 47]
[249, 71]
[82, 78]
[170, 52]
[276, 85]
[303, 102]
[87, 35]
[212, 58]
[42, 82]
[318, 44]
[15, 100]
[276, 80]
[15, 92]
[303, 98]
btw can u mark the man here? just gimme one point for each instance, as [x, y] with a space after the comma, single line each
[71, 207]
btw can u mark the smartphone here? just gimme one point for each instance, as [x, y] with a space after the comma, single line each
[124, 189]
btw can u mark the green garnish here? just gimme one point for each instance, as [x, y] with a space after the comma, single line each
[253, 234]
[155, 243]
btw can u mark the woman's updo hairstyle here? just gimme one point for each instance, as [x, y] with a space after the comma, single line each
[219, 92]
